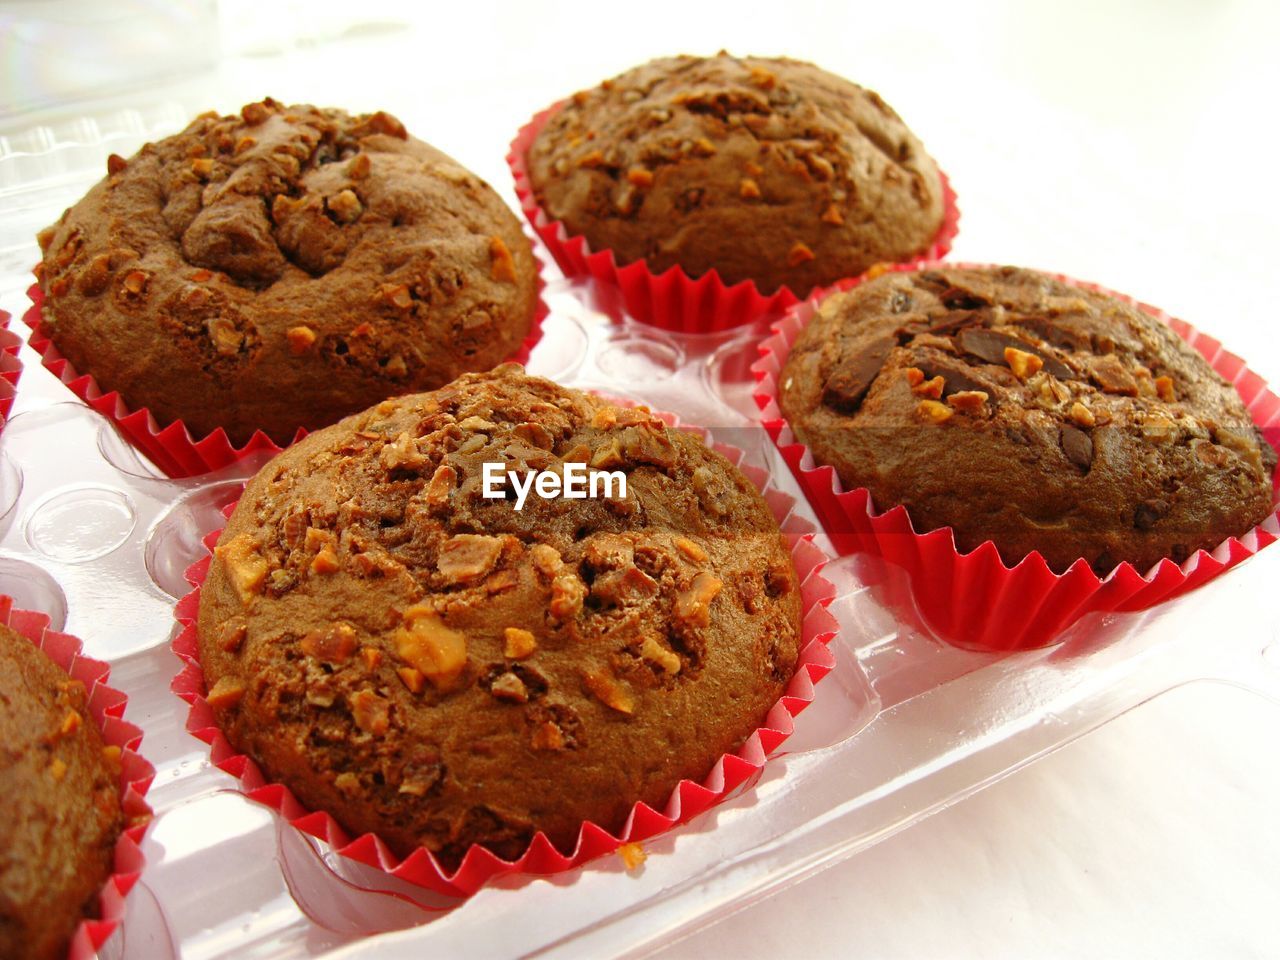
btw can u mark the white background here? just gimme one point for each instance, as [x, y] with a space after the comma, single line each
[1132, 144]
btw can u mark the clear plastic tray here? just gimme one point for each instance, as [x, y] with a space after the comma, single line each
[904, 726]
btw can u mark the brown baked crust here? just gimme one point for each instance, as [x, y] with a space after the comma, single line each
[661, 627]
[1102, 434]
[283, 268]
[62, 802]
[769, 170]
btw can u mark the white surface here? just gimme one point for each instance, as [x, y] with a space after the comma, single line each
[1126, 144]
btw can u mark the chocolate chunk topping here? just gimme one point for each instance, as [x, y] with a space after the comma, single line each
[1055, 334]
[847, 385]
[1148, 512]
[1107, 372]
[1078, 446]
[989, 345]
[955, 377]
[955, 298]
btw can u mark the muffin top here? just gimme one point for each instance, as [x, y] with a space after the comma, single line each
[443, 669]
[283, 268]
[769, 170]
[62, 801]
[1013, 407]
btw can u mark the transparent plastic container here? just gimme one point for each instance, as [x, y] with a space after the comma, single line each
[94, 536]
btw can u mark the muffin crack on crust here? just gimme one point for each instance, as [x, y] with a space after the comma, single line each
[1013, 407]
[282, 268]
[63, 803]
[442, 669]
[769, 170]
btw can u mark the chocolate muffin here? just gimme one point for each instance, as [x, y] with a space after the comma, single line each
[284, 268]
[1012, 407]
[769, 170]
[63, 803]
[443, 669]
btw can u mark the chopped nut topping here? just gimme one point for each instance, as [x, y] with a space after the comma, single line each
[70, 723]
[656, 653]
[519, 644]
[546, 559]
[358, 168]
[372, 658]
[547, 736]
[609, 691]
[1159, 429]
[704, 147]
[115, 164]
[509, 687]
[202, 167]
[468, 557]
[690, 549]
[1082, 415]
[301, 339]
[246, 568]
[640, 176]
[604, 418]
[233, 635]
[326, 561]
[608, 455]
[832, 215]
[930, 388]
[632, 853]
[581, 453]
[969, 401]
[763, 78]
[371, 712]
[502, 266]
[753, 169]
[435, 649]
[225, 693]
[799, 254]
[347, 782]
[593, 158]
[1146, 383]
[567, 594]
[345, 205]
[535, 434]
[316, 538]
[693, 605]
[245, 143]
[402, 453]
[914, 375]
[227, 340]
[412, 678]
[396, 294]
[1164, 389]
[1109, 374]
[113, 756]
[57, 769]
[1022, 364]
[332, 644]
[933, 410]
[255, 113]
[441, 485]
[748, 189]
[135, 281]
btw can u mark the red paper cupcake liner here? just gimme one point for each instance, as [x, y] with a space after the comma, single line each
[974, 599]
[671, 300]
[479, 865]
[107, 706]
[10, 366]
[171, 446]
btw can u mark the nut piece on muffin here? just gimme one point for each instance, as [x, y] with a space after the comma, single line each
[283, 268]
[63, 803]
[1015, 408]
[770, 170]
[442, 669]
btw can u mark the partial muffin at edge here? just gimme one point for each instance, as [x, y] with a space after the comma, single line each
[64, 815]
